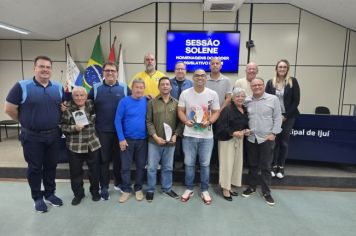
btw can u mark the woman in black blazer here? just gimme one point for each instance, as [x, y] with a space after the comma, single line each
[286, 88]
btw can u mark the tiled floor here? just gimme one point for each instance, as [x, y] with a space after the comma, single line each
[304, 213]
[297, 212]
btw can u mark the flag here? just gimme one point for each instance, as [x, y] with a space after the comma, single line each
[112, 52]
[74, 76]
[122, 77]
[93, 72]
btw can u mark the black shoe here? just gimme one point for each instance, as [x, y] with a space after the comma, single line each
[149, 196]
[76, 200]
[274, 171]
[248, 192]
[95, 196]
[171, 194]
[229, 198]
[233, 193]
[280, 172]
[269, 200]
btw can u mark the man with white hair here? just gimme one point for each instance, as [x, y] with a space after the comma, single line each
[82, 143]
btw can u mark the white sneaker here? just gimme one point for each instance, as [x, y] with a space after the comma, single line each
[273, 174]
[139, 195]
[280, 175]
[124, 197]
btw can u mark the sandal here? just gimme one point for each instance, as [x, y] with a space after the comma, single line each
[187, 195]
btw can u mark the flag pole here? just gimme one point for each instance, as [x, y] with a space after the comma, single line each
[113, 43]
[70, 54]
[118, 58]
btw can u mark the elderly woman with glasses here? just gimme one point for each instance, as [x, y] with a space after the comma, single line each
[232, 126]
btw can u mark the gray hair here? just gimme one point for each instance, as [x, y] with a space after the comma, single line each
[79, 88]
[138, 81]
[237, 91]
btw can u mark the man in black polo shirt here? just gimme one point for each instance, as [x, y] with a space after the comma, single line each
[35, 103]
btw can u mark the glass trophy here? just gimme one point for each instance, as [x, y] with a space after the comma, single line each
[167, 131]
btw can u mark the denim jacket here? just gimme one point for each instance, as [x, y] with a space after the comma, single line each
[186, 84]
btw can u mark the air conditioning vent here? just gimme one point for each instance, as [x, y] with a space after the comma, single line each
[222, 5]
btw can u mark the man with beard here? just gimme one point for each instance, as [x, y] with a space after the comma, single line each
[150, 76]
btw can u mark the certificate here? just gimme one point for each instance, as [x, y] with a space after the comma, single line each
[80, 118]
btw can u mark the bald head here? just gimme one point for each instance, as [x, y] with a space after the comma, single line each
[215, 65]
[251, 71]
[150, 62]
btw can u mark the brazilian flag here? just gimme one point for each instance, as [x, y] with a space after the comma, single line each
[93, 72]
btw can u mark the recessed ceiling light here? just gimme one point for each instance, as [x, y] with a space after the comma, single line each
[12, 28]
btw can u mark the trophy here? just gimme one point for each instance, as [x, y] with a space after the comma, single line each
[168, 132]
[199, 114]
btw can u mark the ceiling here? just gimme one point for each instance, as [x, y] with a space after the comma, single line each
[57, 19]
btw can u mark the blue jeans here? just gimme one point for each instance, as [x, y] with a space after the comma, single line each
[203, 148]
[157, 153]
[136, 150]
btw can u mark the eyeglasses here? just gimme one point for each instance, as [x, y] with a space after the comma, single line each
[180, 69]
[201, 76]
[110, 71]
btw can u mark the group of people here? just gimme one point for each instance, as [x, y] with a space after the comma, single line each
[151, 122]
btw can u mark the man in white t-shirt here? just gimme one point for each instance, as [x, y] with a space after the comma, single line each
[198, 109]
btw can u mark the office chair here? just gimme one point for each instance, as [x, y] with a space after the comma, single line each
[322, 110]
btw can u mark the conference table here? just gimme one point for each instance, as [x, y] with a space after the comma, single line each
[325, 138]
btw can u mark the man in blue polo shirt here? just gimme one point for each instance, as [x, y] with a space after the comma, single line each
[35, 103]
[106, 96]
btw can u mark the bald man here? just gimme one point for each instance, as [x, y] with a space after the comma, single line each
[245, 83]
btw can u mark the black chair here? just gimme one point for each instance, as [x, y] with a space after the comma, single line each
[6, 123]
[322, 110]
